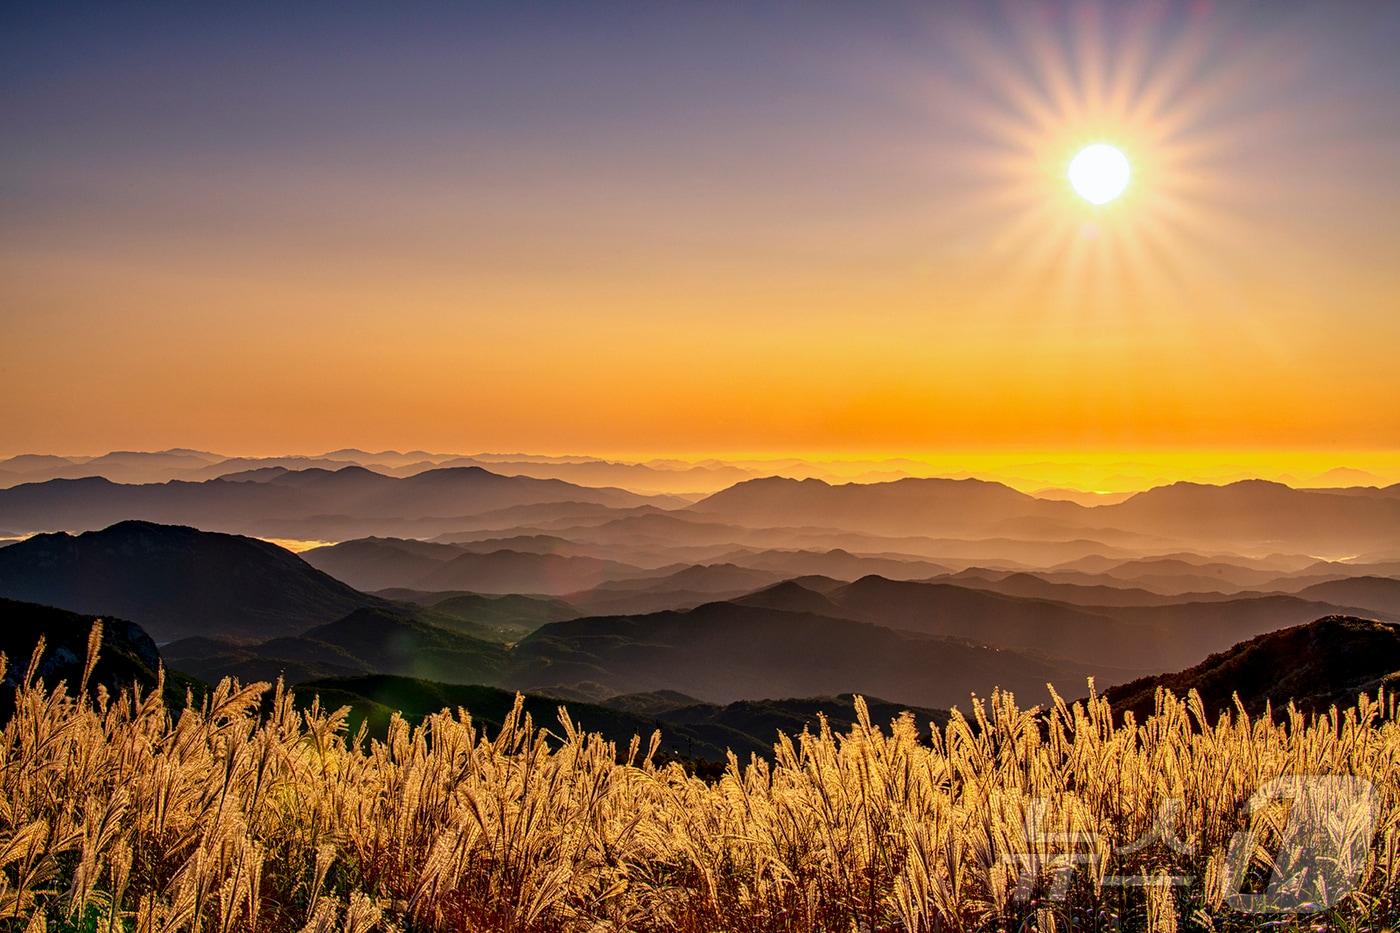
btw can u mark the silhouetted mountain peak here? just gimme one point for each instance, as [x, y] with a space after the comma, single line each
[785, 588]
[363, 621]
[320, 476]
[1243, 487]
[175, 580]
[450, 474]
[874, 583]
[790, 596]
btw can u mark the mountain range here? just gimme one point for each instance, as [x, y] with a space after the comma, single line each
[1249, 514]
[933, 518]
[722, 632]
[227, 605]
[435, 570]
[165, 466]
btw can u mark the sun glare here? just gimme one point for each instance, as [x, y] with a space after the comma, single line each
[1099, 173]
[1089, 106]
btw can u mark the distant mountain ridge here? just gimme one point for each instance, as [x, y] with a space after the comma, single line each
[195, 466]
[900, 507]
[313, 503]
[350, 494]
[1249, 513]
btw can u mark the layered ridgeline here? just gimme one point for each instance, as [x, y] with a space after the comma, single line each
[378, 664]
[126, 466]
[381, 563]
[331, 673]
[1247, 514]
[224, 604]
[232, 605]
[1106, 617]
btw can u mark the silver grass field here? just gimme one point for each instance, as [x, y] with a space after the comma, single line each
[244, 813]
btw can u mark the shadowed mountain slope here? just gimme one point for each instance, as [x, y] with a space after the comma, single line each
[367, 641]
[1327, 662]
[752, 726]
[689, 730]
[126, 655]
[1125, 637]
[721, 652]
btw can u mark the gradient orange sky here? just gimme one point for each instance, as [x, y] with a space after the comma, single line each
[686, 229]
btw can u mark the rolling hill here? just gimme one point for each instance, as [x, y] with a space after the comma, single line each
[374, 699]
[517, 572]
[680, 589]
[509, 614]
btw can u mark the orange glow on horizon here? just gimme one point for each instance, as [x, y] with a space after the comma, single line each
[908, 272]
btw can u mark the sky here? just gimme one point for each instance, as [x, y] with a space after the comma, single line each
[699, 228]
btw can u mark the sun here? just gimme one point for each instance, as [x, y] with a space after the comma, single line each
[1099, 173]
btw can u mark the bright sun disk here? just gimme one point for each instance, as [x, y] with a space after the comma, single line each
[1099, 173]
